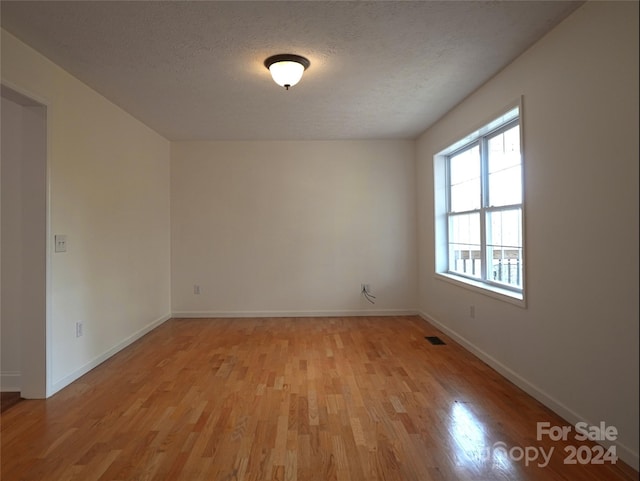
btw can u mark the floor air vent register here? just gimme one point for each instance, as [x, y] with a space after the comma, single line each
[435, 340]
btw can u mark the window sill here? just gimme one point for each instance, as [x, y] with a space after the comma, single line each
[515, 298]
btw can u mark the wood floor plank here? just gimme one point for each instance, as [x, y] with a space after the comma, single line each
[8, 399]
[297, 399]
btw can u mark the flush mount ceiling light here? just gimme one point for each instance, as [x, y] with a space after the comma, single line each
[286, 69]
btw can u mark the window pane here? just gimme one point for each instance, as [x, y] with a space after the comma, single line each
[505, 187]
[464, 172]
[505, 168]
[464, 244]
[504, 246]
[465, 196]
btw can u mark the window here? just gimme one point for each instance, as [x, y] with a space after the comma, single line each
[479, 208]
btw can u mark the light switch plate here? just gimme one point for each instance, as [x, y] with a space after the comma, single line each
[61, 243]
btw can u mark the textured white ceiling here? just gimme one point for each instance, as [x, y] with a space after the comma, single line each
[194, 69]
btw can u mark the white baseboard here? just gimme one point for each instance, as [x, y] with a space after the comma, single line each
[624, 452]
[58, 385]
[10, 381]
[252, 314]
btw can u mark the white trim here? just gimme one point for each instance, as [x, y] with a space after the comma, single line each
[10, 381]
[480, 125]
[251, 314]
[49, 269]
[65, 381]
[28, 94]
[625, 453]
[496, 123]
[512, 297]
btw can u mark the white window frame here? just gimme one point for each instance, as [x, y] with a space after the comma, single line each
[497, 123]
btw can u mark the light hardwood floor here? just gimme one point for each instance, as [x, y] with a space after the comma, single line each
[358, 399]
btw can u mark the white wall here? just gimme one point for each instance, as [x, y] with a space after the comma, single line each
[292, 228]
[575, 346]
[109, 193]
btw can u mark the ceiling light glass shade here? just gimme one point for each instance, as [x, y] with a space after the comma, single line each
[286, 69]
[286, 74]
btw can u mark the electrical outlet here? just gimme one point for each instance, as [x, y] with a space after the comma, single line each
[79, 329]
[472, 312]
[196, 289]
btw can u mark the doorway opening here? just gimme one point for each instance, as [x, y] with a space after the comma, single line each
[23, 246]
